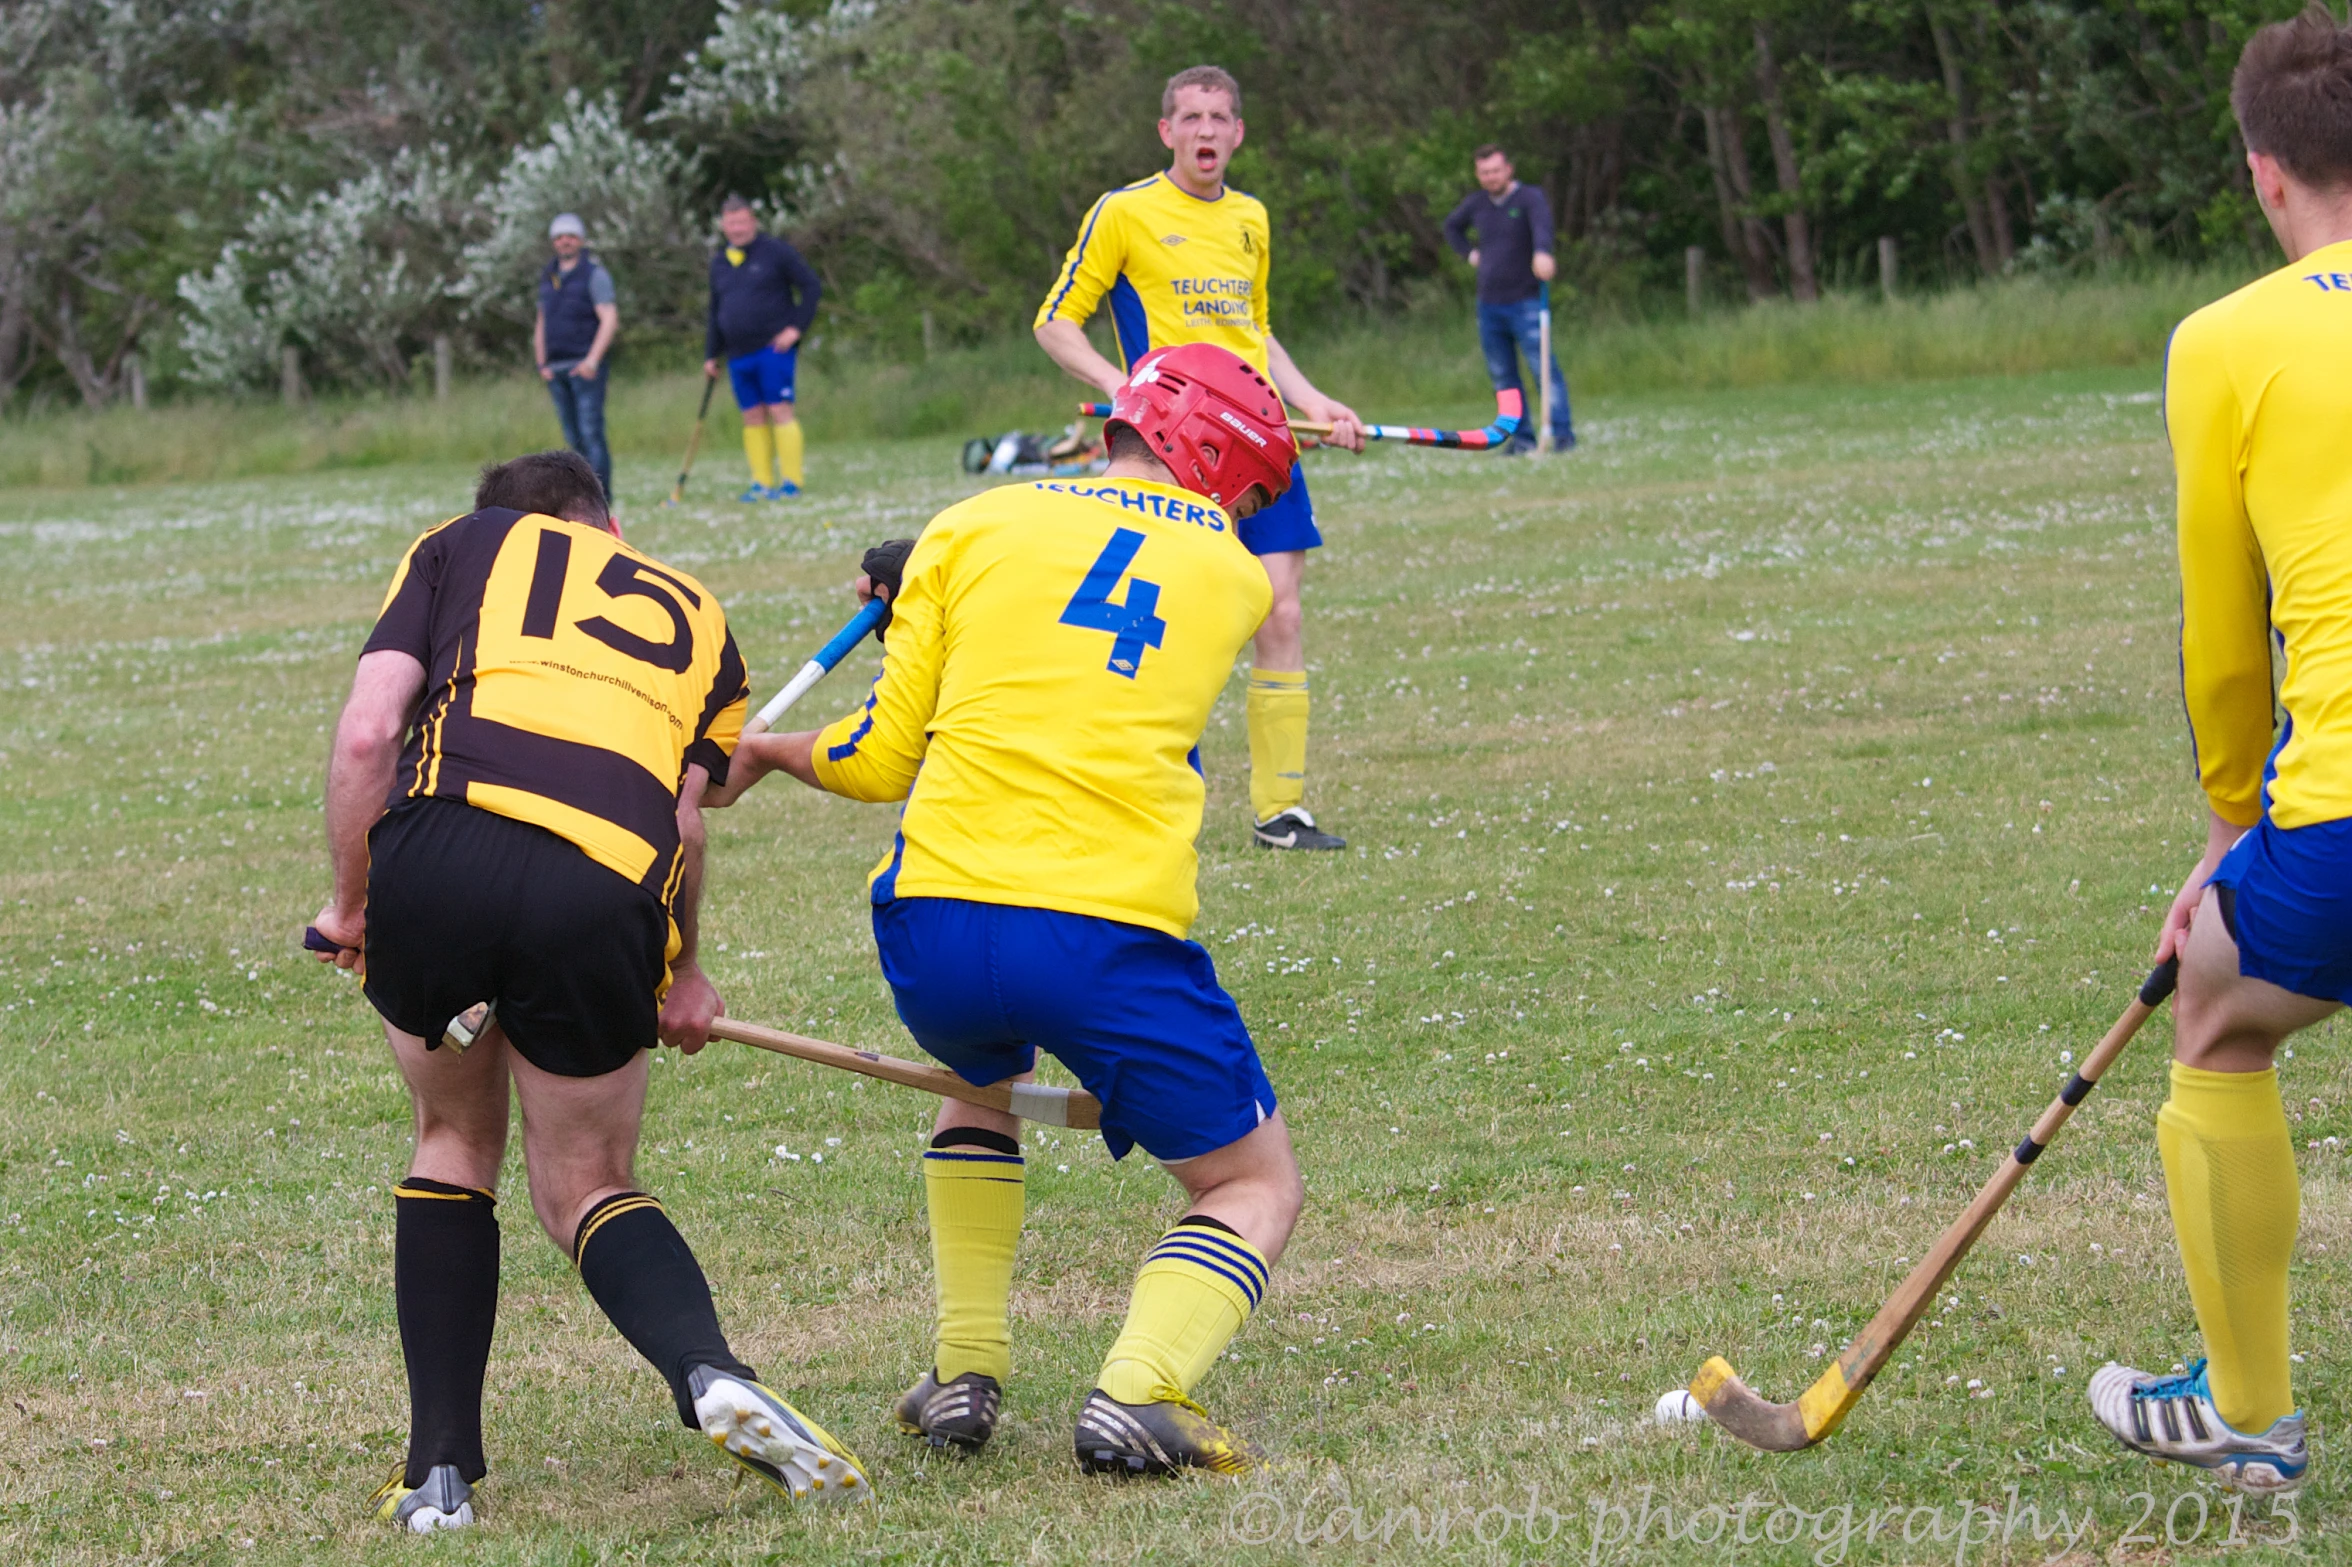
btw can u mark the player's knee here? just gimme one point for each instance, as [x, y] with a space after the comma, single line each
[559, 1205]
[462, 1137]
[1284, 624]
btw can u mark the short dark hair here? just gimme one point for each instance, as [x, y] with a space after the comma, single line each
[1490, 150]
[1214, 77]
[2292, 94]
[736, 202]
[1126, 441]
[553, 484]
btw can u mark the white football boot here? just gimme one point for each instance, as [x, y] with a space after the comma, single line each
[2173, 1417]
[773, 1440]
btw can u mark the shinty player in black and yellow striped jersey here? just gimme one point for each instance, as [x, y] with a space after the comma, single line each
[513, 810]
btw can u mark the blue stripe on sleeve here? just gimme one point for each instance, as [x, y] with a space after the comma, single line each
[1127, 315]
[1070, 273]
[848, 748]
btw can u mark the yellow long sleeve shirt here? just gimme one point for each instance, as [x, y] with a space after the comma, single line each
[2258, 402]
[1054, 652]
[1174, 269]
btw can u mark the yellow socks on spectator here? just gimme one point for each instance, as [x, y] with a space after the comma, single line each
[2229, 1170]
[1197, 1287]
[759, 449]
[973, 1189]
[788, 452]
[1277, 712]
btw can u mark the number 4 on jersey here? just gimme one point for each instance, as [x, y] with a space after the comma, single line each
[1134, 625]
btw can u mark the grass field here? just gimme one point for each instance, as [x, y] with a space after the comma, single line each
[1749, 816]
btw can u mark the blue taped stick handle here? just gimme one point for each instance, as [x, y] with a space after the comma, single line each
[860, 625]
[818, 667]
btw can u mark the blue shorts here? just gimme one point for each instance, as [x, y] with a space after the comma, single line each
[1288, 524]
[764, 378]
[2291, 897]
[1135, 1014]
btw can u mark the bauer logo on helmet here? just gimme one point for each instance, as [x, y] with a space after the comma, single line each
[1247, 433]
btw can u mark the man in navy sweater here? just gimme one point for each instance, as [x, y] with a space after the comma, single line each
[1513, 255]
[762, 298]
[578, 319]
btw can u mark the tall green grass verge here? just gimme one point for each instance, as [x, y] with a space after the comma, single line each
[1424, 366]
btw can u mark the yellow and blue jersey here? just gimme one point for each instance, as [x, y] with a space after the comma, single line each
[1175, 268]
[2259, 407]
[1054, 652]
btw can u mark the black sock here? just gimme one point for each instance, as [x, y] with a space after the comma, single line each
[445, 1286]
[643, 1276]
[976, 1137]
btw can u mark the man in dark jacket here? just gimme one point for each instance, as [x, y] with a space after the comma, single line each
[762, 298]
[577, 322]
[1513, 255]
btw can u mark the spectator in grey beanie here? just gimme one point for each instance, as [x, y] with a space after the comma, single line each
[572, 339]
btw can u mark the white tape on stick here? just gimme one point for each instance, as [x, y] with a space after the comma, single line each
[1037, 1102]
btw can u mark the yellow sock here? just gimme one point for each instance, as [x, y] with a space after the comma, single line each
[759, 448]
[788, 448]
[1196, 1289]
[1277, 711]
[975, 1198]
[2229, 1170]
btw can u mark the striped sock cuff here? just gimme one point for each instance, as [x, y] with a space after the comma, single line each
[1218, 1252]
[429, 1190]
[611, 1208]
[973, 1164]
[1278, 680]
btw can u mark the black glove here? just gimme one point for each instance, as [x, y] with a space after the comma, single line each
[884, 565]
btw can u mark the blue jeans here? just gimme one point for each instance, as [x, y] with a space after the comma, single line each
[1505, 332]
[579, 406]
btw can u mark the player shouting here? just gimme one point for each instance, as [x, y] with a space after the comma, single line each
[1183, 259]
[2259, 408]
[514, 813]
[1054, 651]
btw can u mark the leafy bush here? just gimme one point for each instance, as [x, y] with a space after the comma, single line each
[629, 191]
[358, 277]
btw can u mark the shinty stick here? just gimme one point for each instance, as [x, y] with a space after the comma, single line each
[1049, 1106]
[1785, 1428]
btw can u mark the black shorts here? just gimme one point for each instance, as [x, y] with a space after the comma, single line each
[465, 906]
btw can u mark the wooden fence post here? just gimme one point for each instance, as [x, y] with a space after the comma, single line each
[135, 377]
[1886, 265]
[441, 367]
[1694, 278]
[930, 336]
[290, 375]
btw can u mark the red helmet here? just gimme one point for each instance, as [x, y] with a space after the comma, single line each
[1211, 418]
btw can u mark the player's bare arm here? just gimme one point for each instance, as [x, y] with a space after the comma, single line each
[693, 1001]
[384, 693]
[1065, 342]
